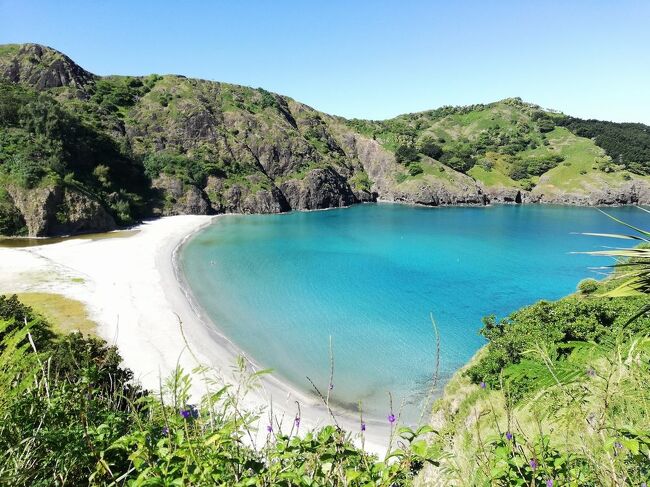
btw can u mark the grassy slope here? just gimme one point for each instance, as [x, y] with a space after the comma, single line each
[579, 172]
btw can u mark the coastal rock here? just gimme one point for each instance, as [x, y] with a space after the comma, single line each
[452, 189]
[502, 194]
[180, 198]
[246, 197]
[594, 193]
[58, 210]
[320, 188]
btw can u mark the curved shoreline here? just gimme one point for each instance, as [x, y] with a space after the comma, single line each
[313, 412]
[134, 293]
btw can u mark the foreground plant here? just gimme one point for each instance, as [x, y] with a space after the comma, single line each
[70, 415]
[560, 394]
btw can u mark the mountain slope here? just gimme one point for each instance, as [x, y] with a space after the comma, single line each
[79, 152]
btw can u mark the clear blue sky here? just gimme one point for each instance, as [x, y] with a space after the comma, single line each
[368, 59]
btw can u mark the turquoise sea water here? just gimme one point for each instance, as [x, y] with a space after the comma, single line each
[370, 276]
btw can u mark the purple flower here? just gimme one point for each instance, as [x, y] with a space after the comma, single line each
[331, 386]
[533, 464]
[508, 436]
[391, 418]
[297, 421]
[482, 384]
[189, 412]
[549, 483]
[194, 412]
[269, 428]
[643, 484]
[617, 446]
[591, 372]
[363, 426]
[165, 431]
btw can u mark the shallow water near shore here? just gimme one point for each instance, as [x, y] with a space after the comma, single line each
[371, 276]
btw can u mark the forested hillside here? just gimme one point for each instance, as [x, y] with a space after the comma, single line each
[80, 152]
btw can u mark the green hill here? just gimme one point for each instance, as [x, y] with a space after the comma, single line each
[80, 152]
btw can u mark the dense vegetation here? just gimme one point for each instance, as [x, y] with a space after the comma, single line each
[559, 395]
[73, 144]
[42, 142]
[627, 144]
[460, 137]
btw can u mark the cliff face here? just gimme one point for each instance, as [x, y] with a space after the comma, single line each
[42, 68]
[56, 210]
[172, 145]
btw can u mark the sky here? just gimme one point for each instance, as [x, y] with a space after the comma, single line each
[367, 59]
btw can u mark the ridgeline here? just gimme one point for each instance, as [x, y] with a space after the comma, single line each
[81, 152]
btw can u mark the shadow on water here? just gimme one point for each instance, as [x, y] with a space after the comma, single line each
[20, 242]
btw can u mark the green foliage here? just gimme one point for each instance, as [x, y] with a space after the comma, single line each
[554, 325]
[415, 169]
[41, 142]
[429, 147]
[405, 154]
[189, 170]
[71, 415]
[511, 462]
[361, 181]
[545, 123]
[626, 143]
[522, 168]
[268, 99]
[505, 140]
[588, 286]
[15, 315]
[17, 365]
[115, 92]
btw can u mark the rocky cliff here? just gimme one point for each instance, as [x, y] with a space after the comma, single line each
[123, 148]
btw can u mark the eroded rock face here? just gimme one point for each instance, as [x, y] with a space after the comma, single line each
[57, 210]
[180, 198]
[245, 197]
[320, 188]
[636, 192]
[501, 194]
[435, 193]
[44, 68]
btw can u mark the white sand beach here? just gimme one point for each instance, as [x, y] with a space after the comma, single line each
[131, 289]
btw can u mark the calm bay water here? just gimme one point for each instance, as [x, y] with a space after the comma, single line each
[370, 276]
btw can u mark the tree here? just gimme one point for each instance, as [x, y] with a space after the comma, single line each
[406, 154]
[428, 147]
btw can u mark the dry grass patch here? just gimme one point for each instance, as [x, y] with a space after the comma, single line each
[64, 314]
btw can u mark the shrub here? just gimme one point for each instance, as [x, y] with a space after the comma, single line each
[16, 314]
[361, 182]
[415, 169]
[430, 148]
[588, 286]
[457, 163]
[552, 324]
[189, 170]
[405, 154]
